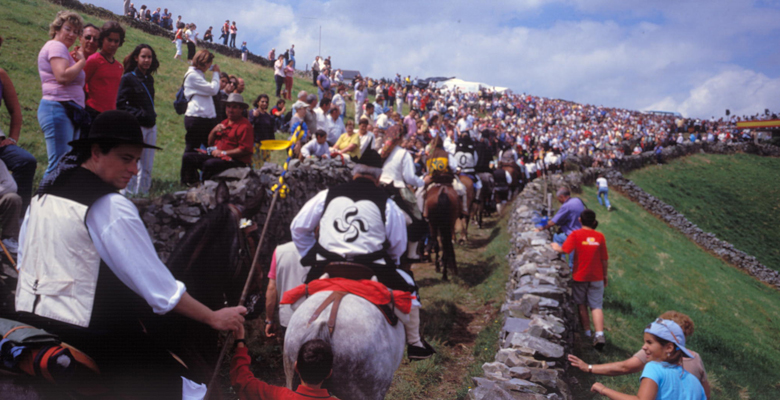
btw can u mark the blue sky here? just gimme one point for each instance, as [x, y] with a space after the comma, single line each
[694, 57]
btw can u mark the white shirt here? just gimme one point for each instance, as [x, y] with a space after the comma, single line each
[339, 101]
[367, 141]
[335, 129]
[200, 92]
[315, 149]
[322, 120]
[602, 183]
[122, 241]
[398, 169]
[308, 219]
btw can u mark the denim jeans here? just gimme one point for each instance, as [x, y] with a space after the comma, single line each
[141, 182]
[22, 164]
[57, 129]
[603, 192]
[560, 238]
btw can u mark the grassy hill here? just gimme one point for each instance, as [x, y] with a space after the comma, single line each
[25, 24]
[654, 268]
[736, 197]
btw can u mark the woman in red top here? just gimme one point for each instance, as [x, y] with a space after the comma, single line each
[103, 72]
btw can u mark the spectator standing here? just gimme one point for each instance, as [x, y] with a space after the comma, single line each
[323, 84]
[178, 38]
[136, 96]
[663, 377]
[338, 101]
[589, 275]
[311, 115]
[208, 36]
[125, 7]
[292, 55]
[361, 95]
[244, 52]
[61, 110]
[230, 144]
[278, 113]
[191, 37]
[262, 121]
[315, 70]
[225, 32]
[603, 188]
[89, 40]
[17, 159]
[279, 74]
[272, 54]
[289, 74]
[102, 72]
[131, 11]
[199, 119]
[142, 13]
[166, 19]
[156, 17]
[233, 31]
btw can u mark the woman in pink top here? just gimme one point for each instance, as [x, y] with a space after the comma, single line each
[289, 71]
[103, 73]
[61, 111]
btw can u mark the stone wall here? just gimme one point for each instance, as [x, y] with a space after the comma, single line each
[168, 217]
[538, 315]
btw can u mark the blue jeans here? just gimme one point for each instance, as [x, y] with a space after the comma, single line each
[57, 129]
[560, 238]
[22, 164]
[603, 192]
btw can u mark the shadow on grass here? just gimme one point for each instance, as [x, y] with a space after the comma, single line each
[479, 243]
[444, 321]
[471, 274]
[427, 282]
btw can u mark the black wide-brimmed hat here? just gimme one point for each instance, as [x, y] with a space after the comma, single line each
[371, 158]
[114, 127]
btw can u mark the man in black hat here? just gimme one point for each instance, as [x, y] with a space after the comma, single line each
[231, 144]
[88, 269]
[359, 223]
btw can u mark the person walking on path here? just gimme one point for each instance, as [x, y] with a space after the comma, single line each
[136, 96]
[590, 273]
[233, 31]
[603, 187]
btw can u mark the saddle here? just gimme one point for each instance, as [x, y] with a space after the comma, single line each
[352, 271]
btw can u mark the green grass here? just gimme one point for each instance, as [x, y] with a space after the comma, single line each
[25, 24]
[736, 197]
[654, 268]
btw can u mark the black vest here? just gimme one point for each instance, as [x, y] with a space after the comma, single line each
[499, 176]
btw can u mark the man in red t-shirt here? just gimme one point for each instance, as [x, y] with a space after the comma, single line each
[590, 273]
[314, 365]
[231, 143]
[103, 72]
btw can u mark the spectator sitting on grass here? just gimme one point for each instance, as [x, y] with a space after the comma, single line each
[314, 365]
[590, 273]
[663, 377]
[637, 362]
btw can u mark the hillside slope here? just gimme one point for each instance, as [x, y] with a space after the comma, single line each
[735, 197]
[654, 268]
[25, 23]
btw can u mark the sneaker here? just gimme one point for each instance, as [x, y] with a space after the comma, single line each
[11, 244]
[599, 341]
[420, 353]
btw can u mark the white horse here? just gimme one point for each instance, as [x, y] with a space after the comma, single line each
[366, 349]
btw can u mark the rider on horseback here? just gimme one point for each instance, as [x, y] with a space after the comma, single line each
[466, 159]
[88, 269]
[359, 223]
[398, 173]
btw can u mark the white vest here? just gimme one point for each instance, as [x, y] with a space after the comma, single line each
[62, 275]
[465, 161]
[350, 228]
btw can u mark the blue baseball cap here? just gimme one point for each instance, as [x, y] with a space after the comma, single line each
[669, 330]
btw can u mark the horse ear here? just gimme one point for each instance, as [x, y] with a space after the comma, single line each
[222, 194]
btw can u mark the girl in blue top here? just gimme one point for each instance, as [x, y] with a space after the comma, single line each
[663, 377]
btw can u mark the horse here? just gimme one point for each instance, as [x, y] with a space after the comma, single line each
[366, 349]
[441, 205]
[464, 221]
[216, 240]
[518, 179]
[485, 193]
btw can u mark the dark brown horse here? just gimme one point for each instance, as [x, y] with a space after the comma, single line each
[480, 208]
[518, 179]
[442, 209]
[464, 221]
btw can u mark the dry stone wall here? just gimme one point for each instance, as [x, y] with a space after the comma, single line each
[538, 315]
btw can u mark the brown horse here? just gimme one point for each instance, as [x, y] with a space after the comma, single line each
[464, 221]
[518, 180]
[442, 209]
[486, 192]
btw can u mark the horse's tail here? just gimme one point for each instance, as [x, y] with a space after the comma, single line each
[443, 216]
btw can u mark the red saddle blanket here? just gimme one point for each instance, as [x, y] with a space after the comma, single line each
[374, 292]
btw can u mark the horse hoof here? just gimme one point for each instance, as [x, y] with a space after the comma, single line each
[462, 242]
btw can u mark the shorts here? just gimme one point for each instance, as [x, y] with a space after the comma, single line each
[588, 293]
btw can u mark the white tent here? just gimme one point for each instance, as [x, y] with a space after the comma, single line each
[466, 86]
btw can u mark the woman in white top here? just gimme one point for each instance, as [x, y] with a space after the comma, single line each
[191, 37]
[279, 74]
[200, 117]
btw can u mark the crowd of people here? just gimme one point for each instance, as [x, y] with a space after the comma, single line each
[98, 115]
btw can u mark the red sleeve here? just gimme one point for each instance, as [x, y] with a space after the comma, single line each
[570, 243]
[246, 385]
[247, 142]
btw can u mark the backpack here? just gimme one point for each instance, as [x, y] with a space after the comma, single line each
[180, 104]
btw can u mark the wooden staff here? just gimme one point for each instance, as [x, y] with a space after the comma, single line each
[242, 300]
